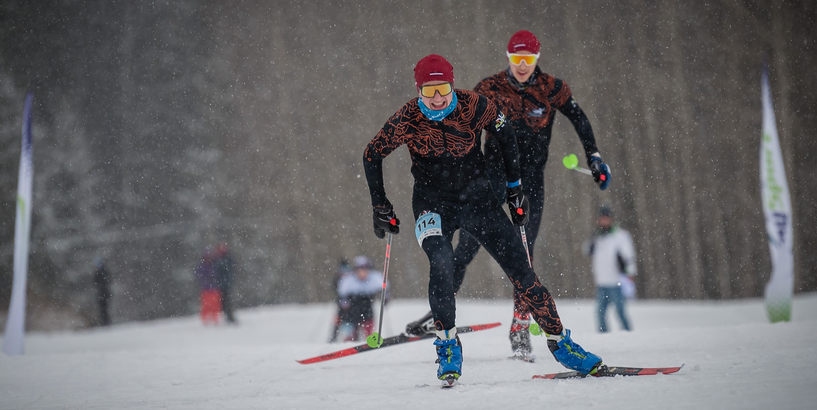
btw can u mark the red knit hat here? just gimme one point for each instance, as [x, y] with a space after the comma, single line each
[433, 68]
[523, 40]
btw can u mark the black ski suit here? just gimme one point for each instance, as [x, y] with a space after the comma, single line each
[531, 109]
[451, 187]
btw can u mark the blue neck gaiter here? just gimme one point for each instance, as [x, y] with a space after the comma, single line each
[437, 115]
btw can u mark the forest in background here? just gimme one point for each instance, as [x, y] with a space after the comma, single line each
[164, 127]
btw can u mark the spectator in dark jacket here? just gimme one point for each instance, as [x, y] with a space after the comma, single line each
[103, 291]
[224, 265]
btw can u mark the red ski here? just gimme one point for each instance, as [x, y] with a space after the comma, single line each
[611, 371]
[391, 341]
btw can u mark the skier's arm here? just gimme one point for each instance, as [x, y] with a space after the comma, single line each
[378, 148]
[570, 108]
[497, 126]
[577, 117]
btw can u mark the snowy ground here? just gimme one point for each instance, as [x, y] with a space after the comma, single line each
[734, 359]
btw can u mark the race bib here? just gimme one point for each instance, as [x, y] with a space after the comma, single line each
[428, 224]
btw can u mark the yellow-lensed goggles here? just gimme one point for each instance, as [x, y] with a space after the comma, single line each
[517, 59]
[428, 91]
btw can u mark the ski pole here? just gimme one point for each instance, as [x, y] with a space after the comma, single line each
[375, 340]
[572, 162]
[525, 242]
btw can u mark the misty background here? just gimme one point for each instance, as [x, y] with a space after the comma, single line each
[162, 127]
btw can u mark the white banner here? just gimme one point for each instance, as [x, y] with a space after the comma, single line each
[777, 210]
[15, 323]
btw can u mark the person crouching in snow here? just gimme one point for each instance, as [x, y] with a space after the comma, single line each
[357, 292]
[442, 131]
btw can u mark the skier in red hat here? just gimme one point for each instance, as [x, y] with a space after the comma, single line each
[442, 129]
[530, 98]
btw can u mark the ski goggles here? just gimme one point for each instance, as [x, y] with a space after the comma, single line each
[428, 91]
[517, 59]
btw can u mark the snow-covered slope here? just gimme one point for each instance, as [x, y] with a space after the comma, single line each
[734, 359]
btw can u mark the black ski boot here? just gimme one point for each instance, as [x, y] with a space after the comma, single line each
[421, 326]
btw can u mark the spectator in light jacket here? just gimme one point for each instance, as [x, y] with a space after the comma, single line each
[613, 259]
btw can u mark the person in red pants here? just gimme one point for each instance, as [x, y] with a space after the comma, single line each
[210, 294]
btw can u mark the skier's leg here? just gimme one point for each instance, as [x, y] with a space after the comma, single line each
[462, 256]
[440, 252]
[491, 227]
[425, 324]
[435, 237]
[443, 307]
[465, 252]
[533, 185]
[441, 282]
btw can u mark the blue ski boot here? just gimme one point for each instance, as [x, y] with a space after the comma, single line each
[449, 355]
[571, 355]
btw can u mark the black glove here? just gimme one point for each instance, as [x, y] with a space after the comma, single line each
[600, 170]
[385, 221]
[518, 205]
